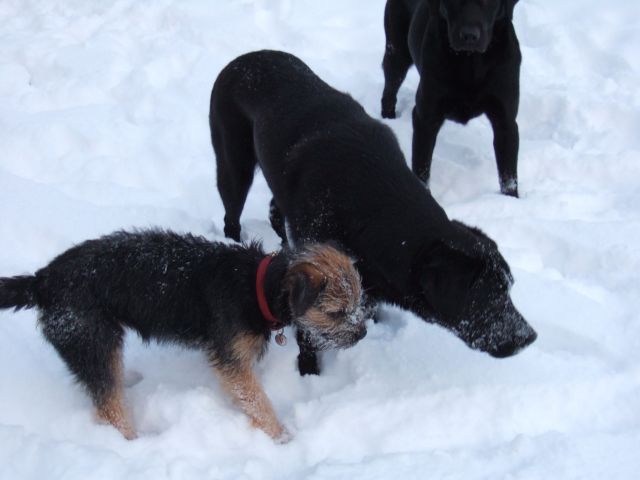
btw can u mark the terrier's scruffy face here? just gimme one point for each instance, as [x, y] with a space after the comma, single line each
[325, 296]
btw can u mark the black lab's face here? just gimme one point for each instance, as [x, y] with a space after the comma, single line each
[466, 284]
[470, 22]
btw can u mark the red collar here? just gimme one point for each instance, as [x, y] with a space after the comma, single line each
[272, 322]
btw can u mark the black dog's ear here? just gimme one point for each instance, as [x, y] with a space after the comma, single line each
[305, 286]
[493, 250]
[476, 232]
[446, 278]
[506, 9]
[434, 7]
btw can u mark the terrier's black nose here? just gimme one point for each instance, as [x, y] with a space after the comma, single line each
[362, 333]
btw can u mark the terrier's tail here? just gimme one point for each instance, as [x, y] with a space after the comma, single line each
[18, 292]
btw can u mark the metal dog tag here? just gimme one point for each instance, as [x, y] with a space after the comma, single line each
[281, 339]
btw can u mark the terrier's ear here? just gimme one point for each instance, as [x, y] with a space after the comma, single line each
[305, 286]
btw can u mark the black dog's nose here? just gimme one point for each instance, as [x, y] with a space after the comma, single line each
[512, 347]
[469, 34]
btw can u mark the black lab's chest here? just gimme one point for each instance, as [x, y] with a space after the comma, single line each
[459, 86]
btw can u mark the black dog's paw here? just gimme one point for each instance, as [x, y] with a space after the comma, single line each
[512, 193]
[308, 365]
[509, 188]
[388, 107]
[388, 112]
[232, 232]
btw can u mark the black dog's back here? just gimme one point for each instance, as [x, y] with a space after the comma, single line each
[269, 108]
[260, 88]
[261, 104]
[285, 85]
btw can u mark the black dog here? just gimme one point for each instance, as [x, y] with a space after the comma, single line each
[336, 173]
[223, 299]
[468, 57]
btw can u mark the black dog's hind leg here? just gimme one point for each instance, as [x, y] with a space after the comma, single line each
[506, 141]
[91, 346]
[397, 58]
[232, 140]
[426, 126]
[308, 357]
[277, 221]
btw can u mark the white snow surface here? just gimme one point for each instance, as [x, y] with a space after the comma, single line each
[103, 126]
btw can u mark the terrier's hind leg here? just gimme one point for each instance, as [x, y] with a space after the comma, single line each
[111, 409]
[91, 346]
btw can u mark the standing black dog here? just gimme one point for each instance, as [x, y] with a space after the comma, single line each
[468, 57]
[337, 174]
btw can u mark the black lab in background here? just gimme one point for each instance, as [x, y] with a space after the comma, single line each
[468, 57]
[338, 174]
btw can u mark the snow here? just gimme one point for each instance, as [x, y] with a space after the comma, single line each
[103, 125]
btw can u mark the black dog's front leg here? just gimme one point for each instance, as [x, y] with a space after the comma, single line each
[307, 358]
[506, 141]
[425, 132]
[277, 221]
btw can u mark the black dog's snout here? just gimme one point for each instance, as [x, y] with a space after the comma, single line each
[470, 34]
[512, 347]
[529, 339]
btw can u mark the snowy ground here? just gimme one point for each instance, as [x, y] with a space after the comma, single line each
[103, 125]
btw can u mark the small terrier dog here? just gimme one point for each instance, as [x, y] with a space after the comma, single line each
[223, 299]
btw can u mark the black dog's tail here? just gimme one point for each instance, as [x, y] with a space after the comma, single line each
[18, 292]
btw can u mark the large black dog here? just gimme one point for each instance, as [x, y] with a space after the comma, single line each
[337, 174]
[468, 57]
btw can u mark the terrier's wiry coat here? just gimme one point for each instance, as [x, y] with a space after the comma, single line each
[185, 289]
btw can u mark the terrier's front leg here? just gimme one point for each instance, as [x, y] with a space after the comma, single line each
[247, 393]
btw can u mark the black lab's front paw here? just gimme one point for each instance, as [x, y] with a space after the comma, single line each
[308, 364]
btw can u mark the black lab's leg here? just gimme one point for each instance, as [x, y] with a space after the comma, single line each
[426, 126]
[506, 142]
[308, 357]
[277, 221]
[397, 58]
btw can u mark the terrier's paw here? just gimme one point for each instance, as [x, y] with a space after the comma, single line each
[285, 437]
